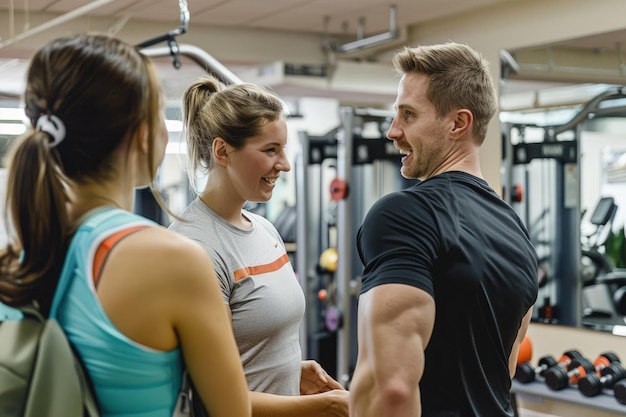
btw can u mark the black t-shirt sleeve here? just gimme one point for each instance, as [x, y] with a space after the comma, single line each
[398, 242]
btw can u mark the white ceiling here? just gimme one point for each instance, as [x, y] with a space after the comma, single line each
[318, 16]
[356, 19]
[352, 18]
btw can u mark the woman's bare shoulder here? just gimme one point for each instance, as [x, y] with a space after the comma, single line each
[163, 251]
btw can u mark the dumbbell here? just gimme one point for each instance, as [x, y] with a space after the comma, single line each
[593, 384]
[619, 390]
[558, 378]
[526, 373]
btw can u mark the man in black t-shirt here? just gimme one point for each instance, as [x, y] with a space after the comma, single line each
[450, 274]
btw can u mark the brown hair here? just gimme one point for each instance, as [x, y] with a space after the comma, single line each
[459, 79]
[233, 113]
[102, 90]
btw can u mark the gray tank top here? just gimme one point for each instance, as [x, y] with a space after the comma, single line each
[260, 287]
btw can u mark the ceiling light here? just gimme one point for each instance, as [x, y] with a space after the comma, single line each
[12, 113]
[14, 129]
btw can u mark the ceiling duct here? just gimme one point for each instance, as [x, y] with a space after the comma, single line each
[349, 82]
[376, 40]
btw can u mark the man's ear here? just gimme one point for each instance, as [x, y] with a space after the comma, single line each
[463, 122]
[220, 151]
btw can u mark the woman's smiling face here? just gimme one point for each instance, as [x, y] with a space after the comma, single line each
[255, 168]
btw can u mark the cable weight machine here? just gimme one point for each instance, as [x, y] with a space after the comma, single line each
[542, 182]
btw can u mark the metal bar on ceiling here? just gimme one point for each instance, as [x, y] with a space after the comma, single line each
[56, 21]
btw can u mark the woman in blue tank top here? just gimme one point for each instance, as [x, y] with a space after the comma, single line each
[135, 306]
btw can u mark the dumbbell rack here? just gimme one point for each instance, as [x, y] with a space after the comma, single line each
[604, 401]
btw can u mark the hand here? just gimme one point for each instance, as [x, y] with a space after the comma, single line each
[336, 403]
[315, 380]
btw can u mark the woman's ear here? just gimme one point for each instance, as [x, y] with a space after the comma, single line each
[220, 151]
[140, 139]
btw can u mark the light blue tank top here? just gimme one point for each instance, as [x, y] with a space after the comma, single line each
[9, 313]
[130, 380]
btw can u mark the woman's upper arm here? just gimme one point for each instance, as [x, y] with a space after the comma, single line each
[204, 329]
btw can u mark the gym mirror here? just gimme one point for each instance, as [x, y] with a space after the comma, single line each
[563, 121]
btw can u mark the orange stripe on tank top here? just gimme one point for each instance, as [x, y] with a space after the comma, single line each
[261, 269]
